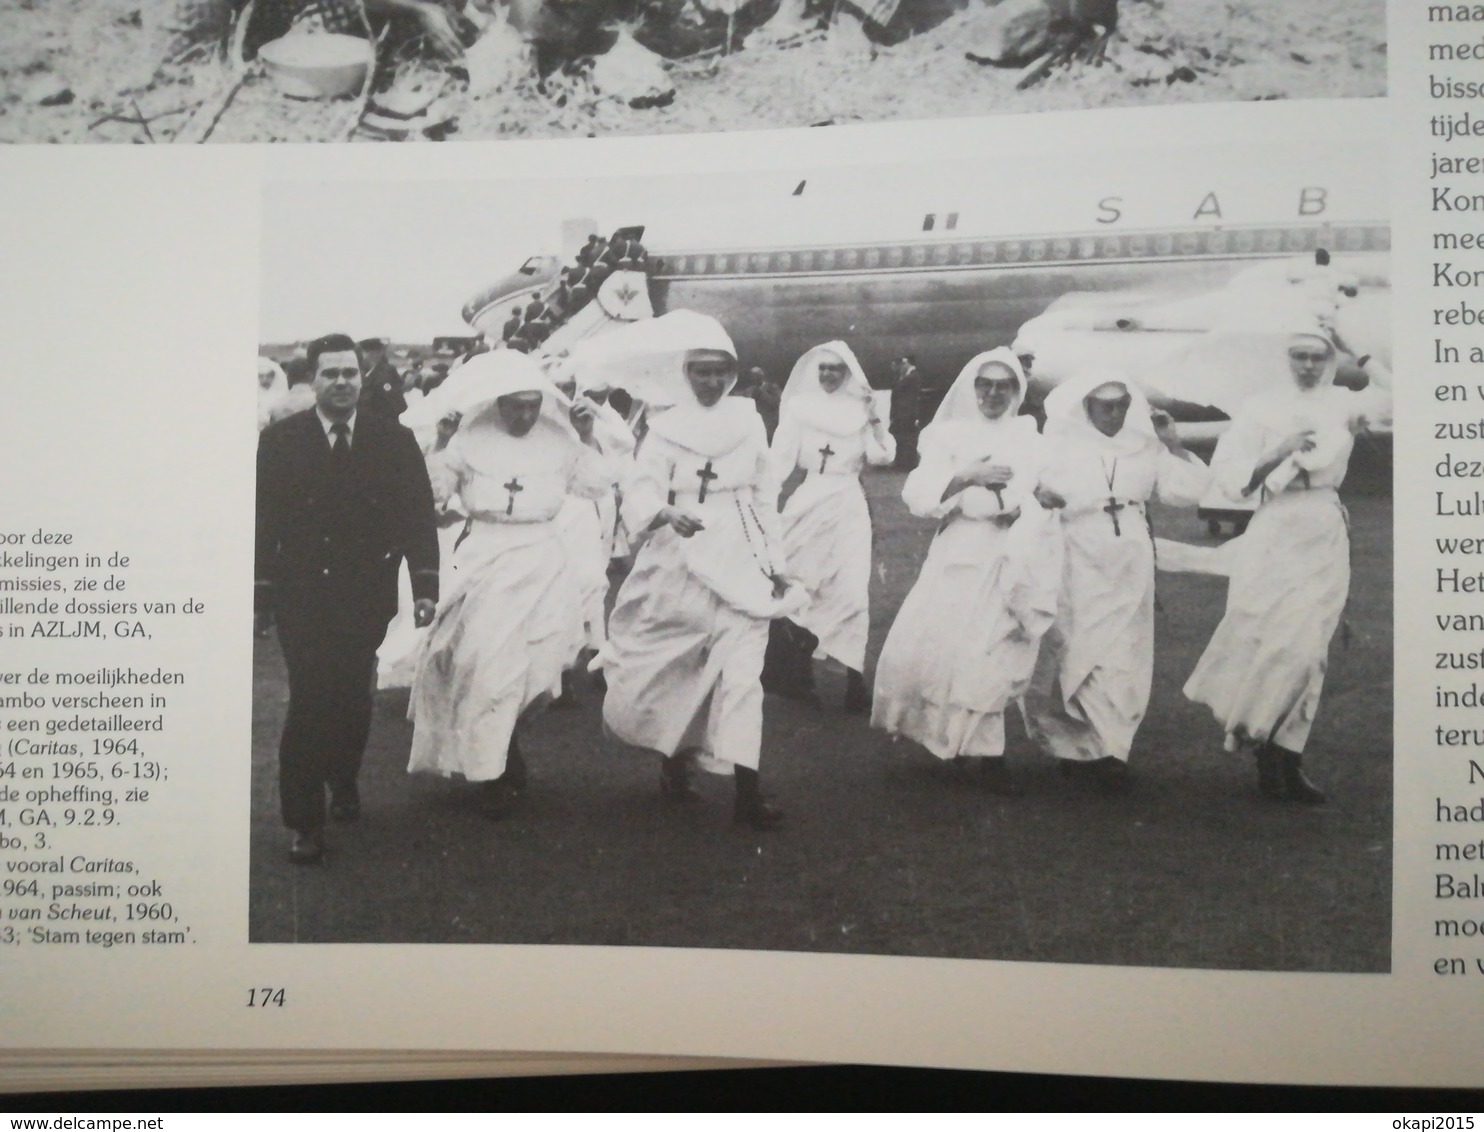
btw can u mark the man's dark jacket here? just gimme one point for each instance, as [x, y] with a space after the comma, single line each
[331, 536]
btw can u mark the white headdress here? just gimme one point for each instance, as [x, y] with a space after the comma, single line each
[962, 403]
[270, 396]
[1067, 420]
[840, 413]
[648, 359]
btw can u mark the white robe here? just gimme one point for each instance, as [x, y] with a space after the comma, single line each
[1092, 681]
[581, 523]
[588, 525]
[689, 627]
[512, 619]
[826, 525]
[964, 641]
[397, 655]
[1263, 671]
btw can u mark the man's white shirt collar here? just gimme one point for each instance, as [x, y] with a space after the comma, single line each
[328, 425]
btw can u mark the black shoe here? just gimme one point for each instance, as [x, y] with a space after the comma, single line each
[568, 700]
[1297, 788]
[345, 805]
[307, 849]
[1112, 775]
[994, 776]
[1269, 772]
[752, 808]
[515, 774]
[498, 799]
[757, 812]
[675, 778]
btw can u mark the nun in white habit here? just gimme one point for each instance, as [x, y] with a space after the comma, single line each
[964, 641]
[690, 624]
[1106, 459]
[1263, 671]
[273, 388]
[512, 620]
[829, 431]
[588, 523]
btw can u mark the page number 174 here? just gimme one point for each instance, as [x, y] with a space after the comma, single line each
[265, 996]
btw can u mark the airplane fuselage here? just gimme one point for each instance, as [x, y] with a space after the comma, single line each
[944, 301]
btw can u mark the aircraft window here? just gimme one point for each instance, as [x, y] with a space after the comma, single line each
[1113, 246]
[965, 253]
[988, 251]
[1216, 241]
[919, 255]
[873, 257]
[784, 261]
[849, 257]
[1164, 243]
[1190, 243]
[723, 264]
[1298, 240]
[928, 221]
[1011, 250]
[942, 253]
[1061, 249]
[1138, 245]
[1036, 249]
[1246, 241]
[1272, 240]
[894, 256]
[952, 222]
[1380, 239]
[1087, 247]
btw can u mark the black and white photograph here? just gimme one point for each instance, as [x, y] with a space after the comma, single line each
[890, 560]
[190, 71]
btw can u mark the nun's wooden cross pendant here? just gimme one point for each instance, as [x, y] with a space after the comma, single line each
[512, 487]
[705, 475]
[824, 456]
[1113, 508]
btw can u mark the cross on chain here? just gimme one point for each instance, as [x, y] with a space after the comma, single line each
[824, 456]
[705, 475]
[1113, 507]
[512, 487]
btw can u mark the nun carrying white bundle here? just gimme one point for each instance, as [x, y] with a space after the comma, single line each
[964, 641]
[829, 431]
[690, 624]
[1107, 457]
[513, 618]
[1263, 671]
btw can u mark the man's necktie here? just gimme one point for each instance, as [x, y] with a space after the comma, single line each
[340, 443]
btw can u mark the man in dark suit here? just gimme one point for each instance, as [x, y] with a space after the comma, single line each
[906, 412]
[381, 385]
[343, 497]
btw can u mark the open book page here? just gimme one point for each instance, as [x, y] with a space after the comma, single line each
[481, 695]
